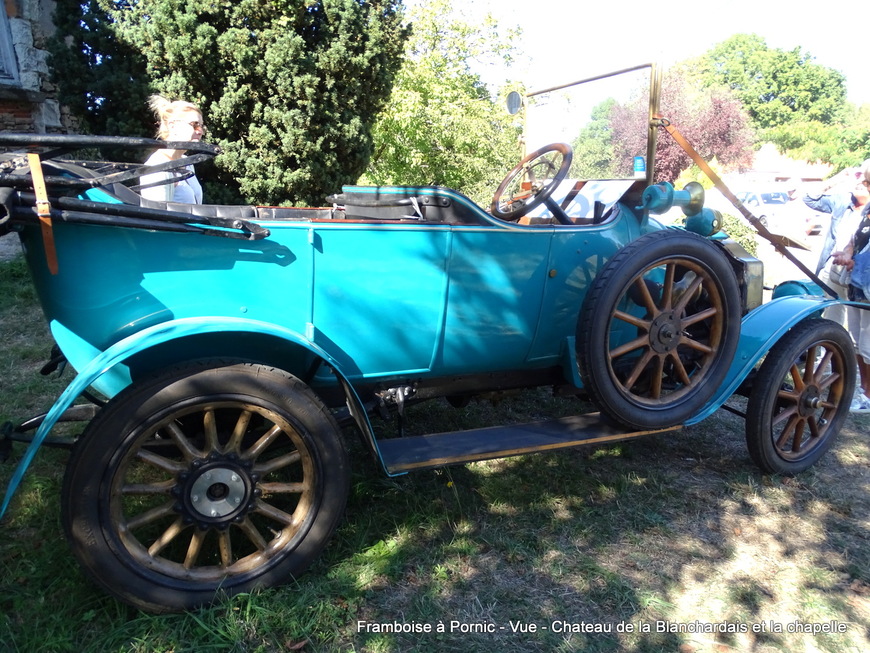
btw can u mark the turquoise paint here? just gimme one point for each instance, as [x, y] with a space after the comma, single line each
[379, 301]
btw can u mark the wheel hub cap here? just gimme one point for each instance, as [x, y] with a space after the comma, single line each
[665, 332]
[215, 492]
[810, 401]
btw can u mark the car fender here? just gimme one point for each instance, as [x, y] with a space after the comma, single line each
[759, 331]
[161, 333]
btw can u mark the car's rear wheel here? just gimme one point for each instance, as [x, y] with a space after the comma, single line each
[800, 397]
[658, 329]
[209, 478]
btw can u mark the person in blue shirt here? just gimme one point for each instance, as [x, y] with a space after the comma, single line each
[855, 256]
[845, 208]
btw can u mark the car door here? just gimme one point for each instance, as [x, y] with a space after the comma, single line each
[496, 279]
[379, 293]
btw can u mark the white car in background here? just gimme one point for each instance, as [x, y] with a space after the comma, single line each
[781, 215]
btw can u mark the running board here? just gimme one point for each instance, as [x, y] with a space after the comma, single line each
[407, 454]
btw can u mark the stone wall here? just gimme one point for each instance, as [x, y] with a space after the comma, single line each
[27, 96]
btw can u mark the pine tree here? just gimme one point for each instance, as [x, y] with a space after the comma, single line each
[289, 88]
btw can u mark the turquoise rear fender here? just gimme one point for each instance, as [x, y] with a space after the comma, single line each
[760, 330]
[162, 333]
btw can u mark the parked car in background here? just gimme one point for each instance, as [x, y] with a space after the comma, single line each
[776, 211]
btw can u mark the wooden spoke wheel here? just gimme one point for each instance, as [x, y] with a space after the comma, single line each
[658, 329]
[800, 397]
[211, 478]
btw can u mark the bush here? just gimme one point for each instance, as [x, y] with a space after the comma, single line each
[741, 231]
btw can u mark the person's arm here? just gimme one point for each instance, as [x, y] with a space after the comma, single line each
[845, 257]
[822, 199]
[824, 203]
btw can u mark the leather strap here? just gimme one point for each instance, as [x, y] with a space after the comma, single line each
[43, 210]
[780, 243]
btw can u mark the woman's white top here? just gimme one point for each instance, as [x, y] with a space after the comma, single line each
[188, 191]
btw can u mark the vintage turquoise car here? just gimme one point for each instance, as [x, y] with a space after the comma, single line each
[218, 349]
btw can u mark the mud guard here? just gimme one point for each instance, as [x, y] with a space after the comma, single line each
[756, 339]
[161, 333]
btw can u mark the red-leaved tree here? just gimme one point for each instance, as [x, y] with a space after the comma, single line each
[711, 119]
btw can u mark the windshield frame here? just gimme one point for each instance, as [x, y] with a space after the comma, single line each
[655, 84]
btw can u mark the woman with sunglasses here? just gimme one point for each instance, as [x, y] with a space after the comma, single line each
[179, 121]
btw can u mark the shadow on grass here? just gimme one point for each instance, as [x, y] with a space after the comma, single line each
[675, 533]
[649, 545]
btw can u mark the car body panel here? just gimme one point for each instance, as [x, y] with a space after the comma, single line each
[143, 341]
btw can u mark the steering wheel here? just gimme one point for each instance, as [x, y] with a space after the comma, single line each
[532, 181]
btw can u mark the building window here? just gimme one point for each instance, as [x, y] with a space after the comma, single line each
[8, 63]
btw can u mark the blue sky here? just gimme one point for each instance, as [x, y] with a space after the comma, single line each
[566, 40]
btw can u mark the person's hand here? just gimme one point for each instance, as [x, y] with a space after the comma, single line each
[844, 259]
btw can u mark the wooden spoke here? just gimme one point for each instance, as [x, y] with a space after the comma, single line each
[284, 488]
[210, 428]
[225, 548]
[235, 442]
[275, 464]
[274, 513]
[166, 538]
[263, 443]
[162, 487]
[182, 442]
[194, 548]
[160, 462]
[150, 516]
[253, 535]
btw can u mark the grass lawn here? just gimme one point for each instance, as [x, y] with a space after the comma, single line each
[670, 543]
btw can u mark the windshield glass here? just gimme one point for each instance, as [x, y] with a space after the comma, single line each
[605, 119]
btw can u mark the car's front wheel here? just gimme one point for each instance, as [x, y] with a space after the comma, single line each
[209, 478]
[800, 397]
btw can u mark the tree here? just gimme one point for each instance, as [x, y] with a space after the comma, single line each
[101, 78]
[711, 119]
[775, 86]
[289, 88]
[441, 126]
[842, 144]
[594, 147]
[794, 103]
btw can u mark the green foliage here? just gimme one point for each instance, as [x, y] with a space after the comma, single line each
[741, 231]
[593, 148]
[793, 102]
[100, 77]
[776, 86]
[842, 144]
[289, 89]
[441, 126]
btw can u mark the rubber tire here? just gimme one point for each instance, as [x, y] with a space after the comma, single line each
[765, 403]
[608, 291]
[88, 499]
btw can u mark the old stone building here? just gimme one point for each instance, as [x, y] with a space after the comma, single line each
[28, 100]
